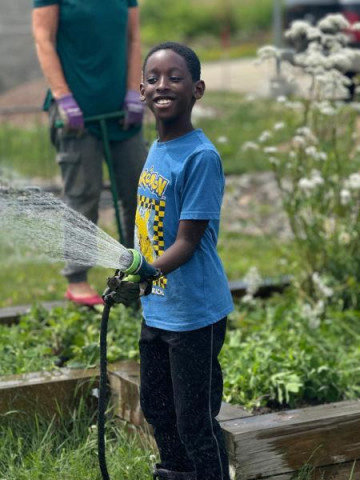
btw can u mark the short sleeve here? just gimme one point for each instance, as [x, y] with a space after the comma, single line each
[44, 3]
[202, 187]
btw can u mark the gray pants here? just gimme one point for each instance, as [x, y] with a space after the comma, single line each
[80, 160]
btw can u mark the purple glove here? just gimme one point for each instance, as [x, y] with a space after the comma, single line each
[134, 109]
[70, 112]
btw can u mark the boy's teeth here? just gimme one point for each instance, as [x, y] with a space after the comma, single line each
[163, 101]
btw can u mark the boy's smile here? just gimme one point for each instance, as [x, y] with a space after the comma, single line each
[170, 92]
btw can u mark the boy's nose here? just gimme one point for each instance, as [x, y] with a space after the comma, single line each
[162, 83]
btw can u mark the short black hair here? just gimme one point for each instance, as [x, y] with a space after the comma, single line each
[190, 57]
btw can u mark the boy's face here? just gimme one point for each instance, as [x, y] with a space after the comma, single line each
[168, 87]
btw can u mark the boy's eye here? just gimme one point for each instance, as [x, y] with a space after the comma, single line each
[175, 79]
[151, 80]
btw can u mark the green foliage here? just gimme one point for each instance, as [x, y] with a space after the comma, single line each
[67, 335]
[36, 448]
[26, 152]
[186, 21]
[276, 355]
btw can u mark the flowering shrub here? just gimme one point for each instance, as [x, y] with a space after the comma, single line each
[318, 169]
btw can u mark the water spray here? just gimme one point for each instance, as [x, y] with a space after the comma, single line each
[44, 228]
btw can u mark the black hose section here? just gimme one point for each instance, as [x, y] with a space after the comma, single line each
[103, 391]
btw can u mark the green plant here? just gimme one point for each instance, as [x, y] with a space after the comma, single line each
[317, 169]
[66, 447]
[277, 355]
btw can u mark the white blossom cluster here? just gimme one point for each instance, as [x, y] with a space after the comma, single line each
[313, 313]
[323, 52]
[320, 285]
[253, 281]
[307, 185]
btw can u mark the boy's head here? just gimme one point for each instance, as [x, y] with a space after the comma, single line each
[190, 57]
[171, 82]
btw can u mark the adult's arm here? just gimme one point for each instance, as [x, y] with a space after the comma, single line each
[188, 237]
[134, 50]
[44, 26]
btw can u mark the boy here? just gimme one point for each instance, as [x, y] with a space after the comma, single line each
[179, 200]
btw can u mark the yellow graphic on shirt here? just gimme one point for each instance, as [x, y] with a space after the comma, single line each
[149, 233]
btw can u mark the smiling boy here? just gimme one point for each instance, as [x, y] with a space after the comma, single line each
[177, 223]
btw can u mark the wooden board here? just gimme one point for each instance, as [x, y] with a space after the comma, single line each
[10, 315]
[46, 393]
[279, 443]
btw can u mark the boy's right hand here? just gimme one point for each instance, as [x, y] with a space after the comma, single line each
[126, 293]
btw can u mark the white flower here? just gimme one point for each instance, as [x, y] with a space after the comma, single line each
[281, 99]
[333, 23]
[353, 182]
[268, 51]
[311, 151]
[305, 184]
[253, 281]
[316, 178]
[298, 141]
[248, 299]
[309, 184]
[274, 161]
[344, 238]
[222, 139]
[265, 136]
[270, 149]
[249, 146]
[311, 314]
[355, 26]
[345, 196]
[279, 126]
[292, 154]
[320, 285]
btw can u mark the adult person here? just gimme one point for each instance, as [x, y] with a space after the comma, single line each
[89, 52]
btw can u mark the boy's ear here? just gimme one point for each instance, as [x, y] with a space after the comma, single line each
[142, 92]
[199, 89]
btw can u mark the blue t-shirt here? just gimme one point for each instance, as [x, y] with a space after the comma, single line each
[183, 180]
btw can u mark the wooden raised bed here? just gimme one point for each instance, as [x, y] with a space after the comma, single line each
[272, 446]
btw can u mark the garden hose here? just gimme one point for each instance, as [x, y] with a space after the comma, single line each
[103, 389]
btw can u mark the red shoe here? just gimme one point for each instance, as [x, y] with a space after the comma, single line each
[89, 301]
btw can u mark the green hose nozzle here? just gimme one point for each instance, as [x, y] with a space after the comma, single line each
[140, 270]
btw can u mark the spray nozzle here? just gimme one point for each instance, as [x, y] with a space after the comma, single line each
[140, 270]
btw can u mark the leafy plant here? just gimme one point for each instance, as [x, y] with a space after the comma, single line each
[317, 168]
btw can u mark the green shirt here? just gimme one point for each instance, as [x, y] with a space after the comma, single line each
[92, 46]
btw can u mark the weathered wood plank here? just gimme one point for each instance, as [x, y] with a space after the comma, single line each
[46, 393]
[11, 315]
[278, 443]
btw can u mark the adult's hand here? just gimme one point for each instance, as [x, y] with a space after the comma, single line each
[134, 109]
[70, 112]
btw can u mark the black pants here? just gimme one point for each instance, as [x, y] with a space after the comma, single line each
[181, 392]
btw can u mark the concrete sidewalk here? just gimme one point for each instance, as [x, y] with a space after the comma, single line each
[242, 75]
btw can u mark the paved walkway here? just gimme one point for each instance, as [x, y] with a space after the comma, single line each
[241, 75]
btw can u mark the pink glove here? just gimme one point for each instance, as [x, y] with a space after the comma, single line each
[134, 109]
[70, 112]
